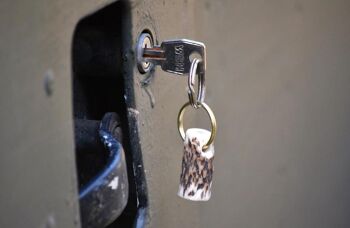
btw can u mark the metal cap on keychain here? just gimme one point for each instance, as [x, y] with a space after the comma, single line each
[197, 163]
[201, 84]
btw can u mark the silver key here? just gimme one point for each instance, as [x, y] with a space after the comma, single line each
[174, 56]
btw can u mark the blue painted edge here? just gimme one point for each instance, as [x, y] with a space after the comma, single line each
[115, 149]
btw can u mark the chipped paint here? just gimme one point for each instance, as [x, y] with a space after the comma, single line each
[114, 183]
[133, 111]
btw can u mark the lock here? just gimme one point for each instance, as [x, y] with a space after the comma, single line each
[174, 56]
[145, 41]
[179, 57]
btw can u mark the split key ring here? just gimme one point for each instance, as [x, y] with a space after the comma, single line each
[196, 101]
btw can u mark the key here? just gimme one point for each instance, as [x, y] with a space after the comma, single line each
[174, 56]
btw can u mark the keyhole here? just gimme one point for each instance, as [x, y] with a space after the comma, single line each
[145, 41]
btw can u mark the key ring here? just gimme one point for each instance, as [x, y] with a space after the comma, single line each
[212, 120]
[196, 103]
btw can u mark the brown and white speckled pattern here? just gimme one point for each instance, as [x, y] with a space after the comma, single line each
[197, 166]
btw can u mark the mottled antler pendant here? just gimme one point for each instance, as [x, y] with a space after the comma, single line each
[197, 166]
[197, 162]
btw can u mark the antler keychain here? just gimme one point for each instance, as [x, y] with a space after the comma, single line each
[197, 163]
[174, 57]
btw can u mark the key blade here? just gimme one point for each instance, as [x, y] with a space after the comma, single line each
[155, 52]
[177, 55]
[154, 55]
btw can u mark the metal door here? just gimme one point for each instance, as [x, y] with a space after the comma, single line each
[277, 79]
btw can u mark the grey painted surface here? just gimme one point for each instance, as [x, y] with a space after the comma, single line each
[279, 82]
[160, 142]
[37, 161]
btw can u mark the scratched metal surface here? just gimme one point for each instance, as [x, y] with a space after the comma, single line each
[160, 143]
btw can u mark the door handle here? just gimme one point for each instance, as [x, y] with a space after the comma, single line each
[104, 197]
